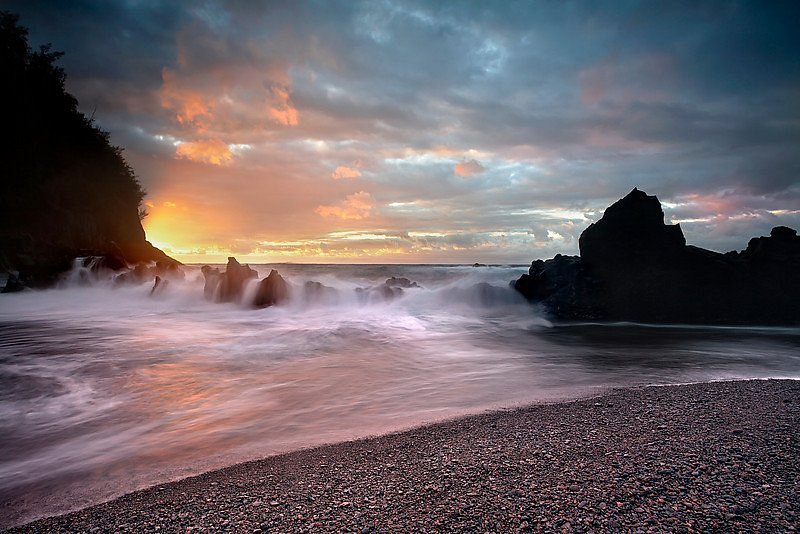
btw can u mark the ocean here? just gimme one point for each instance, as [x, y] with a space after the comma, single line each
[106, 389]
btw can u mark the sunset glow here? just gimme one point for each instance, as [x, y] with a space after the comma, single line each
[269, 138]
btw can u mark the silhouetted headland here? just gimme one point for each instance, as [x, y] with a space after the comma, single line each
[66, 191]
[633, 267]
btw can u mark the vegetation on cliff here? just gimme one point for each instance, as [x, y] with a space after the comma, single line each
[66, 190]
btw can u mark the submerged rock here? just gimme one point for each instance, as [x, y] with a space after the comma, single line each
[315, 292]
[404, 283]
[633, 267]
[271, 290]
[381, 293]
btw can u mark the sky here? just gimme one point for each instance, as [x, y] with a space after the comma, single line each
[436, 132]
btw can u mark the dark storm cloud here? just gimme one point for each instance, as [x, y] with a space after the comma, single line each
[563, 107]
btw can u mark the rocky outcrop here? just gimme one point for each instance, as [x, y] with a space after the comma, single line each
[272, 290]
[67, 192]
[233, 281]
[633, 267]
[227, 286]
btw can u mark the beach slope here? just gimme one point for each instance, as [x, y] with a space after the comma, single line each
[720, 456]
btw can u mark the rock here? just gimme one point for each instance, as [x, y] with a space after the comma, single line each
[233, 280]
[315, 292]
[141, 273]
[271, 290]
[158, 286]
[10, 282]
[212, 278]
[633, 267]
[405, 283]
[169, 270]
[479, 265]
[381, 293]
[631, 231]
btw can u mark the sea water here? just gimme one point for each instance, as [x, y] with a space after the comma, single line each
[105, 388]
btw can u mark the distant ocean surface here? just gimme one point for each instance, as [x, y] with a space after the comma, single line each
[106, 389]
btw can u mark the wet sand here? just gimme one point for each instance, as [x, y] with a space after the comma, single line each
[718, 456]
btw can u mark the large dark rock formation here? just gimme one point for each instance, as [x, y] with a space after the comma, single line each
[633, 267]
[65, 190]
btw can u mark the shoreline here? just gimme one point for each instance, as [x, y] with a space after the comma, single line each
[705, 455]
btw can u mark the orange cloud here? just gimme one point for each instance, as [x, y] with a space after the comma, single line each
[212, 151]
[345, 172]
[468, 168]
[191, 107]
[281, 109]
[356, 206]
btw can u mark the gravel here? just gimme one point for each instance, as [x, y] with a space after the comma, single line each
[703, 457]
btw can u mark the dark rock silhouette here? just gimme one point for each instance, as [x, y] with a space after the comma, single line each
[272, 290]
[66, 191]
[633, 267]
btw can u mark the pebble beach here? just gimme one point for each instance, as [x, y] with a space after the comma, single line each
[719, 456]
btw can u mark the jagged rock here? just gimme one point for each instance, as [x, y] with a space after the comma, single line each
[631, 231]
[271, 290]
[233, 281]
[633, 267]
[404, 283]
[212, 278]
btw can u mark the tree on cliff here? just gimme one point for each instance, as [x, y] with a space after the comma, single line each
[65, 189]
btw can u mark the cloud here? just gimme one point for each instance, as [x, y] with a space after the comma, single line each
[345, 172]
[356, 206]
[468, 168]
[211, 151]
[191, 108]
[281, 109]
[694, 102]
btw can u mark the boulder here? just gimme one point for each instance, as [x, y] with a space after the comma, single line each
[271, 290]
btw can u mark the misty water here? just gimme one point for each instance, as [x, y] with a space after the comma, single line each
[107, 389]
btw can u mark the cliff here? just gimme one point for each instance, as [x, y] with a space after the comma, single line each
[65, 191]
